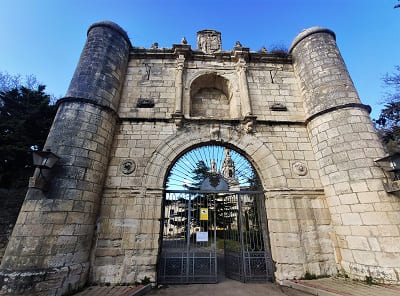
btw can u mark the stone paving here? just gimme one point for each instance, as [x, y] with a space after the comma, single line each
[322, 287]
[111, 291]
[343, 287]
[228, 288]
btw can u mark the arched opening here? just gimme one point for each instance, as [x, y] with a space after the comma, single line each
[213, 219]
[210, 97]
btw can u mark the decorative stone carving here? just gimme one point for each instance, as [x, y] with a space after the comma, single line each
[238, 44]
[249, 124]
[183, 40]
[128, 166]
[214, 132]
[299, 168]
[178, 120]
[249, 127]
[209, 41]
[154, 45]
[263, 49]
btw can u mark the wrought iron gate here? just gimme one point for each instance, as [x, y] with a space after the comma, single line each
[189, 238]
[246, 243]
[195, 223]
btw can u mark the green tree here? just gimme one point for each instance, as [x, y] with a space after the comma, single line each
[388, 122]
[25, 119]
[199, 173]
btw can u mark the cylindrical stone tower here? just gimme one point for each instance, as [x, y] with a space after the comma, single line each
[366, 219]
[53, 235]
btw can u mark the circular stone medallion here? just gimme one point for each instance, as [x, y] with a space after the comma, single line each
[128, 166]
[299, 168]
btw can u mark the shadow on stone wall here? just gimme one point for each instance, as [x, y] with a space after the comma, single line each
[10, 203]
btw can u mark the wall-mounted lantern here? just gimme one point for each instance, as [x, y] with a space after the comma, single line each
[42, 160]
[391, 167]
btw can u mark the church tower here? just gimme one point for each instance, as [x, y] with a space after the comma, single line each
[228, 171]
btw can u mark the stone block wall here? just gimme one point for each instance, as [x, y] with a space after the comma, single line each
[366, 218]
[128, 230]
[54, 230]
[300, 230]
[273, 84]
[152, 79]
[201, 102]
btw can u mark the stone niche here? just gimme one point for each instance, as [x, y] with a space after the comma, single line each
[210, 97]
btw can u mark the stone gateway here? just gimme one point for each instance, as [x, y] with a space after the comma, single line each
[131, 113]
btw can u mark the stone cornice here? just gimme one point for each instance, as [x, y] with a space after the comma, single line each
[211, 121]
[86, 101]
[350, 105]
[195, 55]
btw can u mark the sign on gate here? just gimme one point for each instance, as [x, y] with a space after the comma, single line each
[202, 236]
[204, 214]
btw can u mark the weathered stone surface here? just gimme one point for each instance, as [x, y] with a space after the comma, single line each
[326, 208]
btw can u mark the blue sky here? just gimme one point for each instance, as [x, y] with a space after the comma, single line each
[45, 37]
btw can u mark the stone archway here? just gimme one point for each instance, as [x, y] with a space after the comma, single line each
[258, 153]
[213, 219]
[253, 148]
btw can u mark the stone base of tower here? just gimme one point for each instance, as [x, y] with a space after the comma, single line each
[386, 275]
[43, 282]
